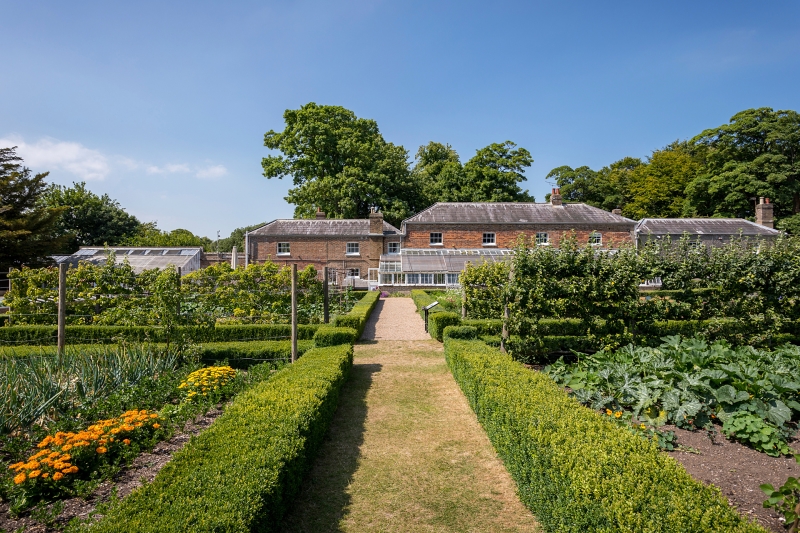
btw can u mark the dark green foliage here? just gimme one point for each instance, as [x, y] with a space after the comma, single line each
[148, 234]
[576, 471]
[438, 321]
[28, 233]
[245, 354]
[47, 335]
[460, 332]
[241, 474]
[358, 315]
[88, 219]
[486, 326]
[331, 336]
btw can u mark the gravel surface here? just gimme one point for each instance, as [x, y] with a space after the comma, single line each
[395, 319]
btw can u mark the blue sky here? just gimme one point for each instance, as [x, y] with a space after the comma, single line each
[163, 105]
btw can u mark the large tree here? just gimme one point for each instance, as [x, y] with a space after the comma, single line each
[756, 154]
[657, 189]
[28, 234]
[341, 164]
[492, 175]
[607, 188]
[88, 219]
[148, 234]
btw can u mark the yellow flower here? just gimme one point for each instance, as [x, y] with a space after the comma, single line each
[608, 412]
[618, 414]
[20, 478]
[642, 426]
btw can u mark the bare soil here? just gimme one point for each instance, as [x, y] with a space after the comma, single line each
[143, 470]
[737, 471]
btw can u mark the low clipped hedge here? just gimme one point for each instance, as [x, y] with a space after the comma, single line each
[47, 335]
[460, 332]
[241, 474]
[422, 299]
[332, 336]
[358, 315]
[438, 321]
[574, 470]
[485, 326]
[244, 354]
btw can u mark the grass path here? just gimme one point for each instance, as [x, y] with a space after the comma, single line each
[405, 453]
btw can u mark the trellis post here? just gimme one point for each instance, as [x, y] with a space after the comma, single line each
[325, 297]
[294, 312]
[62, 306]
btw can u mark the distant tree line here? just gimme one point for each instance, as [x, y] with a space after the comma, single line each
[720, 172]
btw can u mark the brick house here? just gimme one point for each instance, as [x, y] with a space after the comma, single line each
[439, 241]
[351, 246]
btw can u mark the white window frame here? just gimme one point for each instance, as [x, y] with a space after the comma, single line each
[441, 238]
[288, 248]
[354, 273]
[395, 245]
[452, 278]
[542, 238]
[599, 238]
[492, 238]
[352, 248]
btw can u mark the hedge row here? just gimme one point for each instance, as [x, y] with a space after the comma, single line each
[47, 335]
[575, 470]
[358, 315]
[244, 354]
[241, 474]
[333, 336]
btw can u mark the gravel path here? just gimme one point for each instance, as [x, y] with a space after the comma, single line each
[395, 319]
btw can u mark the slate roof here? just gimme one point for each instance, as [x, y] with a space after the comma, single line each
[446, 263]
[140, 258]
[314, 227]
[515, 213]
[703, 226]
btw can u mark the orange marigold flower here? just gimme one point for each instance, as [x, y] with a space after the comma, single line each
[34, 474]
[156, 426]
[618, 414]
[66, 447]
[20, 478]
[15, 466]
[46, 475]
[101, 450]
[154, 415]
[58, 476]
[126, 441]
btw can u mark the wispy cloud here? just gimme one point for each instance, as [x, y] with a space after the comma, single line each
[212, 172]
[171, 168]
[52, 154]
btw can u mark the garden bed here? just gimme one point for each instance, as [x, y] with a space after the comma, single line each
[737, 471]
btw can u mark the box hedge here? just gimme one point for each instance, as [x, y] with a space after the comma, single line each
[438, 321]
[460, 332]
[47, 335]
[244, 354]
[242, 473]
[332, 336]
[575, 470]
[359, 314]
[485, 326]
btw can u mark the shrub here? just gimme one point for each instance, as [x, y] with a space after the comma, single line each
[460, 332]
[330, 336]
[422, 299]
[244, 354]
[575, 470]
[48, 335]
[438, 321]
[357, 317]
[486, 326]
[241, 474]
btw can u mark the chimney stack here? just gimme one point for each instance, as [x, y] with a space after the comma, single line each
[375, 222]
[616, 211]
[764, 212]
[555, 198]
[320, 214]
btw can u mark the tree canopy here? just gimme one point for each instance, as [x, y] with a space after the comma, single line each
[88, 219]
[719, 172]
[148, 234]
[28, 232]
[341, 164]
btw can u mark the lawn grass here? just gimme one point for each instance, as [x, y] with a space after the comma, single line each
[405, 453]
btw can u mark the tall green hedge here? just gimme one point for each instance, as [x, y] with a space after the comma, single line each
[241, 474]
[332, 336]
[244, 354]
[576, 471]
[47, 335]
[359, 314]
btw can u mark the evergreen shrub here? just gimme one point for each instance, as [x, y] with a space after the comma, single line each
[574, 470]
[358, 315]
[332, 336]
[438, 321]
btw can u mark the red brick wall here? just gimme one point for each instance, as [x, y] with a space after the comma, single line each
[320, 251]
[471, 236]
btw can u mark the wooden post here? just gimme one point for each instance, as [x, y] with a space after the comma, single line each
[506, 313]
[325, 296]
[463, 302]
[294, 312]
[62, 306]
